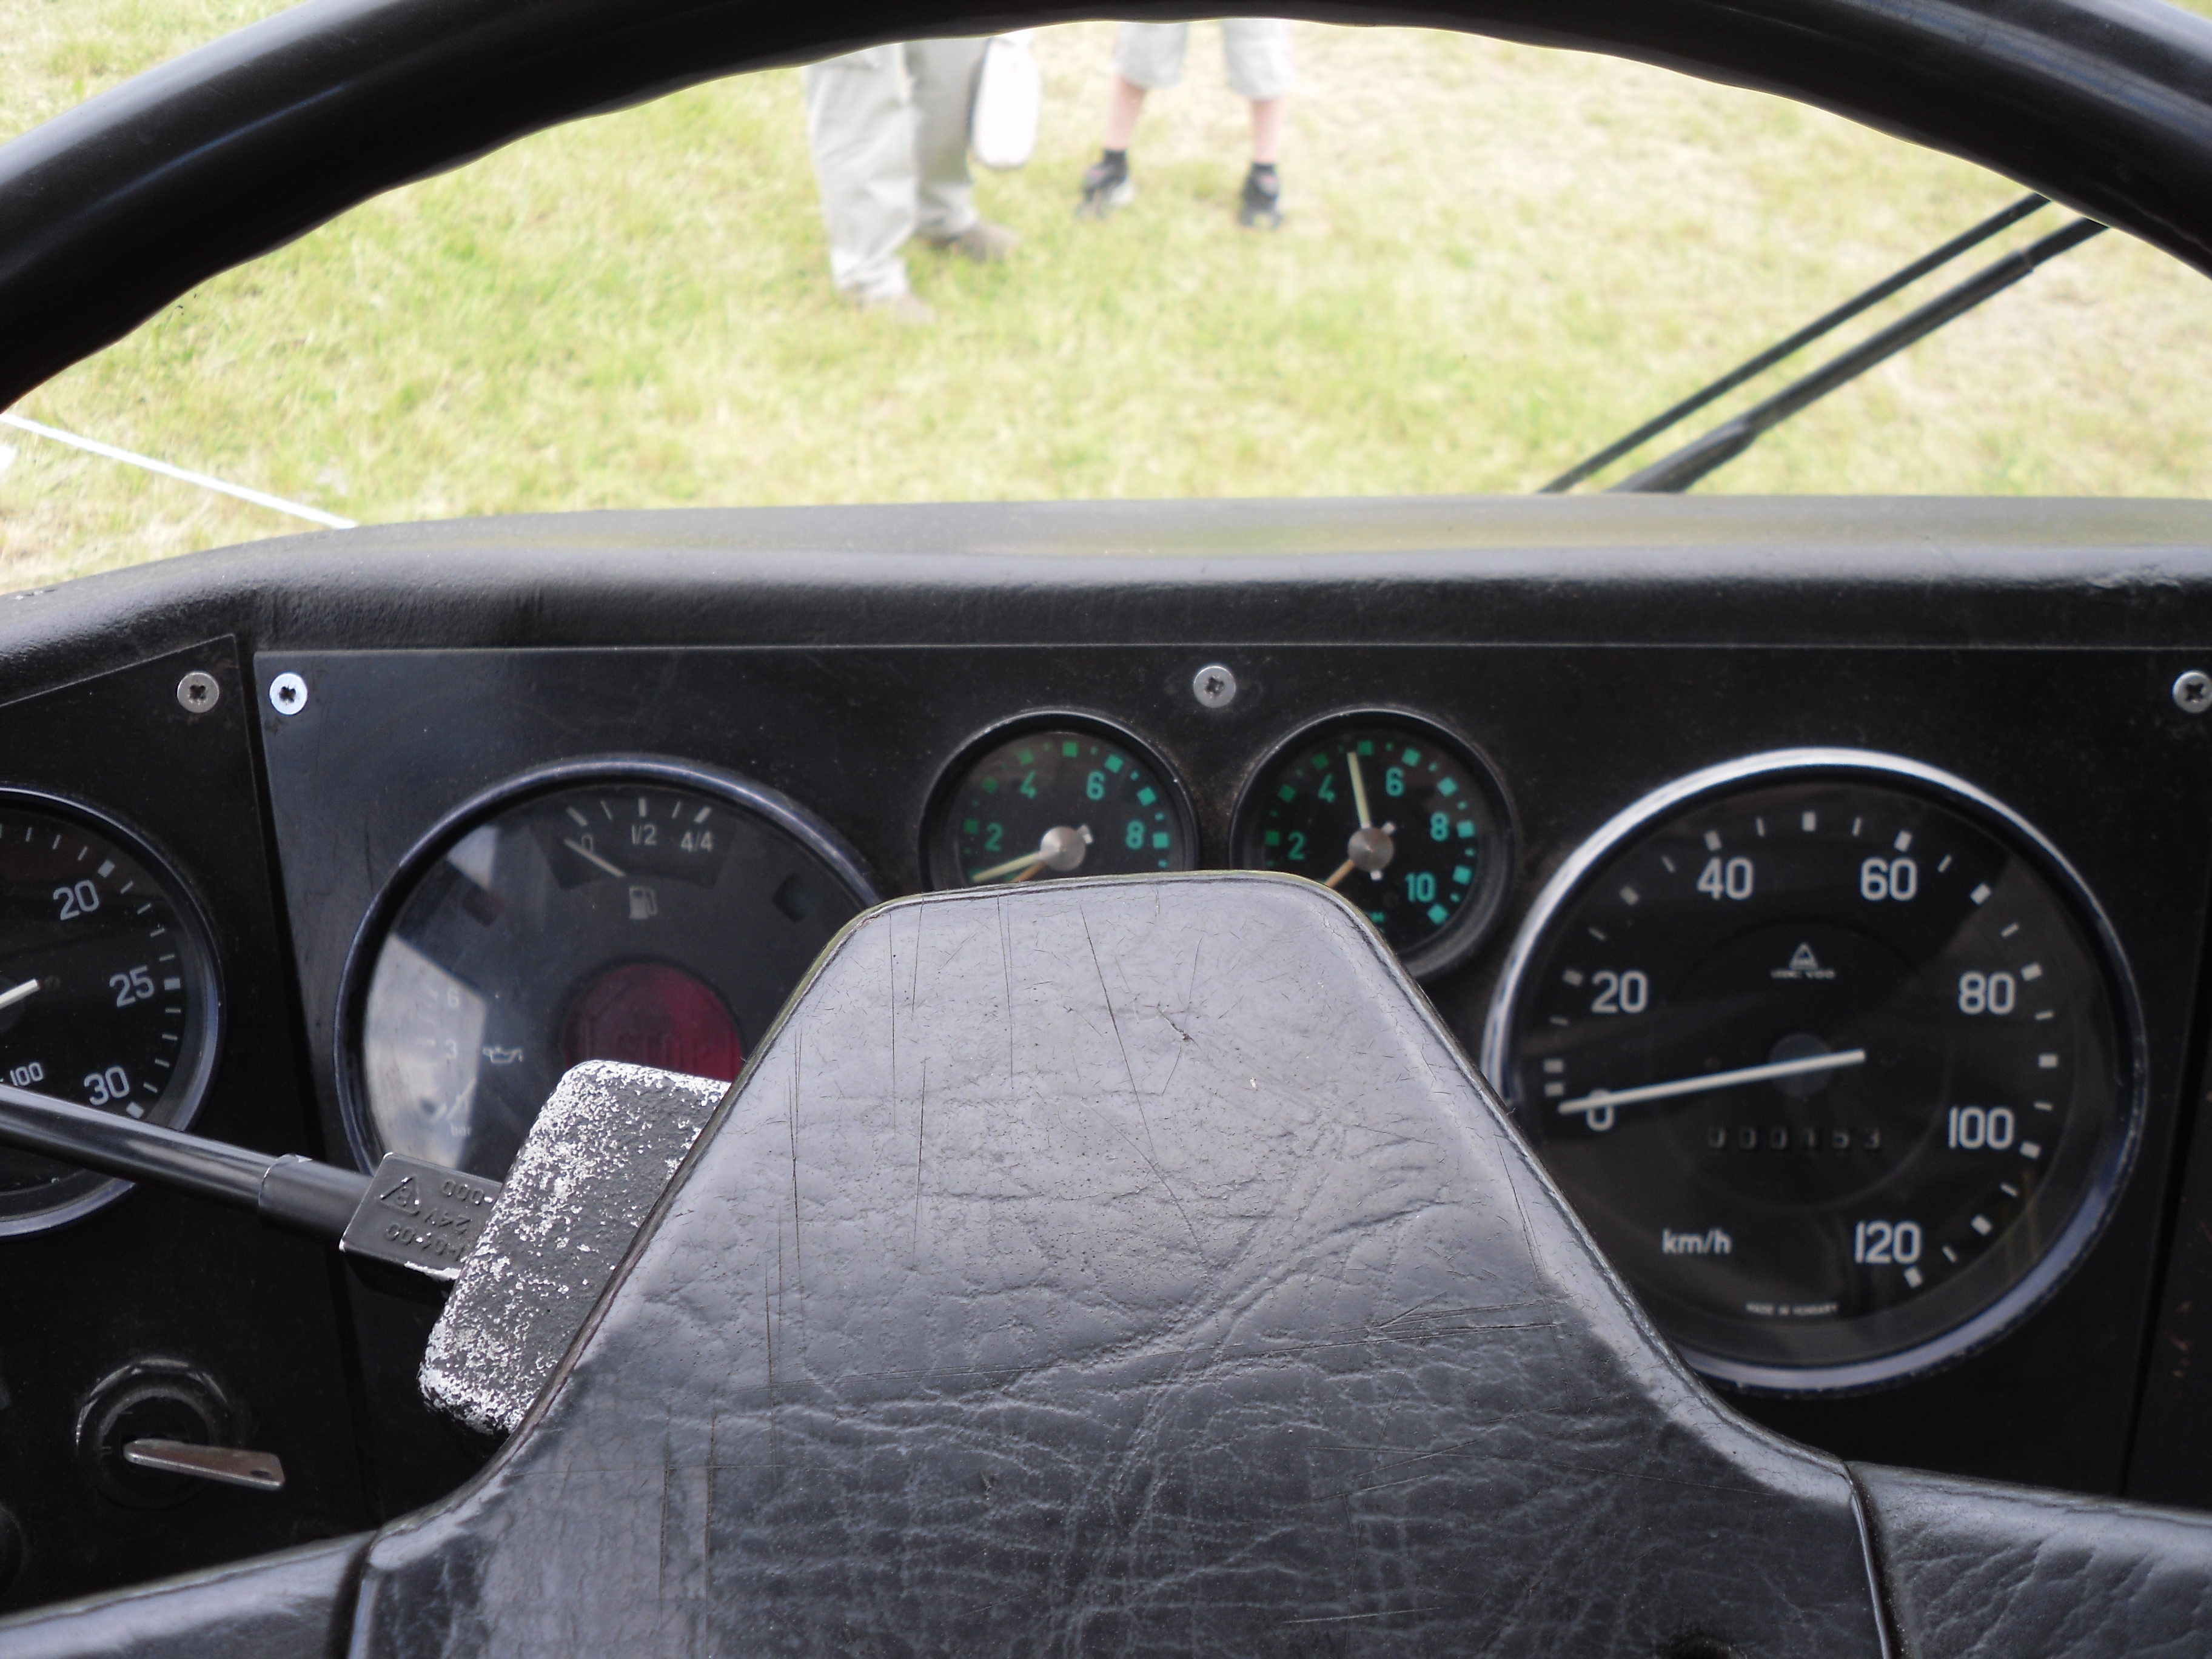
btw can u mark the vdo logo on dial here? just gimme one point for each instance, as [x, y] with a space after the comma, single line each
[1833, 1055]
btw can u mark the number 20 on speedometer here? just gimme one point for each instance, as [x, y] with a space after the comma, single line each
[1832, 1054]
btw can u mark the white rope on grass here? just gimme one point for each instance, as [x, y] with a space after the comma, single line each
[275, 503]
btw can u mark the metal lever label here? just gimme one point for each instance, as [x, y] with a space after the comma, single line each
[420, 1216]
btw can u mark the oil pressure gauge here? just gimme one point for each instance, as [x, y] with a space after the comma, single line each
[1401, 818]
[1834, 1054]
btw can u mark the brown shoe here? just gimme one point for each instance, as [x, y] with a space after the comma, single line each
[903, 308]
[985, 243]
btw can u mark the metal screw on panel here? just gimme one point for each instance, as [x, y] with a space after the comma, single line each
[1214, 686]
[287, 694]
[2192, 692]
[198, 691]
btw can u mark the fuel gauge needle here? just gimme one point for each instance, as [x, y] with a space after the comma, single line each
[1599, 1100]
[584, 852]
[15, 994]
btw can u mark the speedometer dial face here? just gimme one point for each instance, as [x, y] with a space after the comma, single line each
[1402, 820]
[1834, 1058]
[107, 994]
[1058, 797]
[657, 914]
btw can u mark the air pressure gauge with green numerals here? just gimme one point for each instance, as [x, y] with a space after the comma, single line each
[1062, 796]
[1401, 818]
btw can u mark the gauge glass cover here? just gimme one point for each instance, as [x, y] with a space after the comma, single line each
[1397, 818]
[1839, 1072]
[635, 919]
[1058, 801]
[107, 992]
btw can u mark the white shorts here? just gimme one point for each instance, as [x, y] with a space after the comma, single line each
[1255, 51]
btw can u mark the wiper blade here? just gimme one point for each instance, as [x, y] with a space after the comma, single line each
[1797, 341]
[1726, 441]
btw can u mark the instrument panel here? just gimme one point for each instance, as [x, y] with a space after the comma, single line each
[1823, 1117]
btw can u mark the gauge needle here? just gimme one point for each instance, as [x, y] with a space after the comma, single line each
[1342, 870]
[584, 852]
[9, 998]
[1026, 862]
[1598, 1099]
[1358, 791]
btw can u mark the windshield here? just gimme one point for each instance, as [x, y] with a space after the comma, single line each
[1492, 260]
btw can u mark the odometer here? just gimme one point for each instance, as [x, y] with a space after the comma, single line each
[1833, 1055]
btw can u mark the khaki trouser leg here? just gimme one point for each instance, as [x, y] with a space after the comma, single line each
[943, 97]
[860, 124]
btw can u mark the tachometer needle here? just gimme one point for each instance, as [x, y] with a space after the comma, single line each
[15, 994]
[1599, 1099]
[584, 852]
[1342, 870]
[1358, 791]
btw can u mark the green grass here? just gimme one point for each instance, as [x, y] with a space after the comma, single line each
[1498, 257]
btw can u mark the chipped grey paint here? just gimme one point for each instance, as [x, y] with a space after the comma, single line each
[600, 1153]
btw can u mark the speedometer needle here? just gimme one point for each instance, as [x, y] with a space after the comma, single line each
[9, 998]
[1600, 1100]
[584, 852]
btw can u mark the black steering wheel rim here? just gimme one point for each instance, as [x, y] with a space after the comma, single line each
[114, 208]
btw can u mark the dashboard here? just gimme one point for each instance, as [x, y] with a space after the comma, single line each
[1822, 885]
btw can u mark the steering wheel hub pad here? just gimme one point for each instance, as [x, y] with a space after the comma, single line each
[1133, 1265]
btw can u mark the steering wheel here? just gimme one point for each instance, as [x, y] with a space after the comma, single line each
[1132, 1265]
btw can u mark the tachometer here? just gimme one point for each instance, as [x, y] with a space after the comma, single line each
[638, 910]
[1835, 1057]
[107, 990]
[1402, 820]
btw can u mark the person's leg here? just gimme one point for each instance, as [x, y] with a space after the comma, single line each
[1147, 57]
[944, 80]
[1256, 53]
[1123, 105]
[862, 137]
[1268, 115]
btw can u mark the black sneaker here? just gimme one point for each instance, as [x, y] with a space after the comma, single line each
[1262, 206]
[1106, 185]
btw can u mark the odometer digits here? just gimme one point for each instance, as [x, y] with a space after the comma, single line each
[1833, 1056]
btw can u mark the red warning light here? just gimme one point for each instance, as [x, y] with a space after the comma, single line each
[647, 1013]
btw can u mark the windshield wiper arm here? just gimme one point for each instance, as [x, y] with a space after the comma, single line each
[1726, 441]
[1797, 341]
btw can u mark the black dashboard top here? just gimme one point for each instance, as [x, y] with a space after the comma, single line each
[1931, 572]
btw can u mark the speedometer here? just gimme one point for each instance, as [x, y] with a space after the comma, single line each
[1835, 1057]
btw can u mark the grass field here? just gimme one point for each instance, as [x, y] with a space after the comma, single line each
[1496, 258]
